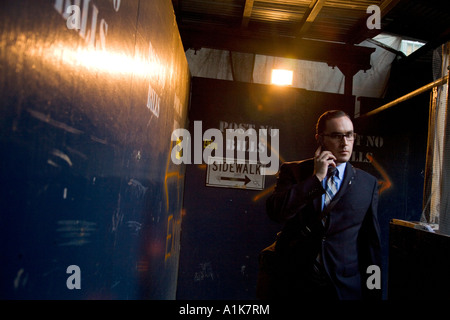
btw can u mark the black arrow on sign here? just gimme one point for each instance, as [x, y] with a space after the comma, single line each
[245, 180]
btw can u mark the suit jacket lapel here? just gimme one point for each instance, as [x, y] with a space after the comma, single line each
[317, 203]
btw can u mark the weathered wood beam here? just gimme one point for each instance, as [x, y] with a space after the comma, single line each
[334, 54]
[310, 16]
[248, 8]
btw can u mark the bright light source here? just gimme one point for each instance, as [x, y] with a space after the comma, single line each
[282, 77]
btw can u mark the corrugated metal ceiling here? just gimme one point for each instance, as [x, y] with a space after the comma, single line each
[339, 21]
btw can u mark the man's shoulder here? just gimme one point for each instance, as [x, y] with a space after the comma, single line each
[299, 164]
[363, 174]
[308, 164]
[299, 169]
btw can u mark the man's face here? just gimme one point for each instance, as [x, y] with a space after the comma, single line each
[332, 138]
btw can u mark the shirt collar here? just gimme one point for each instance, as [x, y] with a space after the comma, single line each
[341, 169]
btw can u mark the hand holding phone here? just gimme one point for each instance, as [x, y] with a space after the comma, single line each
[322, 160]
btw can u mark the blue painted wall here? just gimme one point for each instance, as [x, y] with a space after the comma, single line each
[86, 118]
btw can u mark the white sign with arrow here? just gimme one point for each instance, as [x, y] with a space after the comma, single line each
[244, 175]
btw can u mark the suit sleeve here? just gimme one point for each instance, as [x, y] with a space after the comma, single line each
[370, 245]
[290, 195]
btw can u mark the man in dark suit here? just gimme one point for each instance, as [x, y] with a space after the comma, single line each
[329, 209]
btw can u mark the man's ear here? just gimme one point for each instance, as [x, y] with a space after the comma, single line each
[319, 139]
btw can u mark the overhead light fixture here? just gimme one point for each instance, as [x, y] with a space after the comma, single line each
[282, 77]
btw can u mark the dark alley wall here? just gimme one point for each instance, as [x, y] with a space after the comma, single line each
[86, 117]
[399, 164]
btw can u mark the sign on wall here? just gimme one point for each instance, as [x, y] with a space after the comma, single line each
[235, 174]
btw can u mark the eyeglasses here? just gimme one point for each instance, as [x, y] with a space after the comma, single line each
[340, 136]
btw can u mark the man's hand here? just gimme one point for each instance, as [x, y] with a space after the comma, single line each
[322, 160]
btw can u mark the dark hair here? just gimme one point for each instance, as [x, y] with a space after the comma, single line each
[332, 114]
